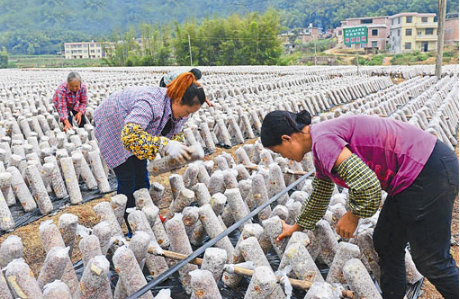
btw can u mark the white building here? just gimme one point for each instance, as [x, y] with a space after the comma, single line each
[84, 50]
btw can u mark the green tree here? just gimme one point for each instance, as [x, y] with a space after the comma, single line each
[236, 40]
[3, 58]
[46, 24]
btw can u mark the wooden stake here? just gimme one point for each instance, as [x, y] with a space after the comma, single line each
[296, 283]
[289, 171]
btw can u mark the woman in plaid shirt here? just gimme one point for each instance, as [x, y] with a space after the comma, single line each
[71, 96]
[136, 123]
[367, 154]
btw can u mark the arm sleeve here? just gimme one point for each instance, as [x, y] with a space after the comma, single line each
[179, 137]
[143, 145]
[314, 208]
[60, 102]
[81, 107]
[365, 190]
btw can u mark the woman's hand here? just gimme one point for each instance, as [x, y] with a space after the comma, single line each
[288, 230]
[347, 225]
[178, 151]
[78, 117]
[67, 125]
[209, 103]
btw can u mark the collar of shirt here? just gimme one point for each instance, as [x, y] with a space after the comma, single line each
[168, 111]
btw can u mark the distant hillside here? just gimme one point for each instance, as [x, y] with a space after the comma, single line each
[40, 26]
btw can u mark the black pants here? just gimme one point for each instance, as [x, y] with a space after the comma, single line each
[83, 119]
[132, 175]
[422, 216]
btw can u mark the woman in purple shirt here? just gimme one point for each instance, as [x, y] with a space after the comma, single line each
[367, 154]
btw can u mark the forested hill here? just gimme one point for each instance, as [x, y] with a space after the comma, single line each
[36, 26]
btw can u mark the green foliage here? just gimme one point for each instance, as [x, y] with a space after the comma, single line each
[50, 61]
[448, 54]
[329, 13]
[291, 59]
[236, 40]
[3, 58]
[155, 48]
[409, 58]
[362, 61]
[376, 60]
[421, 56]
[41, 26]
[321, 45]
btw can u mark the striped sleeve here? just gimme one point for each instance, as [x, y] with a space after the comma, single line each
[314, 208]
[365, 190]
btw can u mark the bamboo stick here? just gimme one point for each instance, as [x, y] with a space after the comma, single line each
[296, 283]
[299, 284]
[289, 171]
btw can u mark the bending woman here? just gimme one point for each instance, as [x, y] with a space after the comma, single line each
[366, 154]
[135, 124]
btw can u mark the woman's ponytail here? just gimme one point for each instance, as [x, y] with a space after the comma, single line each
[186, 90]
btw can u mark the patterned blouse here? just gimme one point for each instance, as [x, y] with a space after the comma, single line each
[130, 122]
[65, 100]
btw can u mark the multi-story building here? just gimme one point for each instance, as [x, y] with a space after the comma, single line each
[84, 50]
[411, 31]
[378, 30]
[451, 29]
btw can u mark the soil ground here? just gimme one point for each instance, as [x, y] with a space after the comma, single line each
[34, 253]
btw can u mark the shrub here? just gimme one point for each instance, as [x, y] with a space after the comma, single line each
[376, 60]
[449, 54]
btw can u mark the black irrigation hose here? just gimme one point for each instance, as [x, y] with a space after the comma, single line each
[212, 242]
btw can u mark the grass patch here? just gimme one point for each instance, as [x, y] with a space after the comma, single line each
[374, 60]
[50, 61]
[409, 58]
[321, 45]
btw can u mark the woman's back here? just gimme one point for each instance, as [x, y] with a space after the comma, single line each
[394, 150]
[147, 106]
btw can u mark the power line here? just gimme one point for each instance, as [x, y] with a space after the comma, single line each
[232, 38]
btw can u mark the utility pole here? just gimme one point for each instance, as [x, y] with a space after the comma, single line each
[315, 52]
[190, 49]
[441, 21]
[357, 61]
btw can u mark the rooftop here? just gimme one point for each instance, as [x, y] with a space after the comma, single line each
[349, 19]
[413, 14]
[366, 25]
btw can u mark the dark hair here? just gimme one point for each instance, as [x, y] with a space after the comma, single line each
[278, 123]
[196, 73]
[186, 89]
[193, 95]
